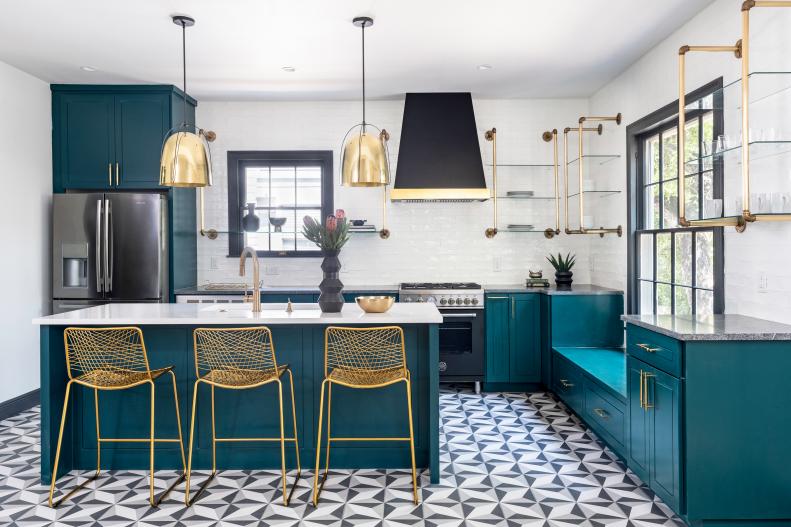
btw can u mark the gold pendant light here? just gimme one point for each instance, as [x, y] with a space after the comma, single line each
[186, 157]
[364, 161]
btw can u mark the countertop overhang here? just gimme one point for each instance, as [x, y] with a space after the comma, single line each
[238, 314]
[711, 327]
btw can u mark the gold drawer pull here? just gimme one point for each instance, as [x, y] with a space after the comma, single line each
[601, 413]
[566, 384]
[648, 348]
[642, 373]
[646, 405]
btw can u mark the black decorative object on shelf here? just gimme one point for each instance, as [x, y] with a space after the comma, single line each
[563, 279]
[563, 266]
[277, 223]
[251, 222]
[331, 287]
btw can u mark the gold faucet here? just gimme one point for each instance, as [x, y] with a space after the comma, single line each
[256, 276]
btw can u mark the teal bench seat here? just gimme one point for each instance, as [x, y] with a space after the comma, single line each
[606, 365]
[592, 383]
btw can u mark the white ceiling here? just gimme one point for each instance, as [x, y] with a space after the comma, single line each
[236, 50]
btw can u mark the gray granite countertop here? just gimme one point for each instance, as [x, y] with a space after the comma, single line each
[576, 289]
[712, 327]
[203, 290]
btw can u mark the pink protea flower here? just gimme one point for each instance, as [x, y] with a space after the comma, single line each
[340, 214]
[332, 223]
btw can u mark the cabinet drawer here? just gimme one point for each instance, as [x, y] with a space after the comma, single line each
[568, 382]
[652, 348]
[603, 415]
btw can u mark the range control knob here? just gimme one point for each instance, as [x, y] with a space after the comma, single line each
[475, 301]
[451, 301]
[443, 301]
[421, 299]
[466, 301]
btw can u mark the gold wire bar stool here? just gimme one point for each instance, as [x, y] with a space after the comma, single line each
[239, 359]
[363, 358]
[112, 359]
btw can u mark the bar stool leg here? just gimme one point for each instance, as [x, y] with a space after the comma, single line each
[316, 489]
[282, 442]
[151, 448]
[187, 500]
[296, 440]
[98, 436]
[178, 420]
[411, 439]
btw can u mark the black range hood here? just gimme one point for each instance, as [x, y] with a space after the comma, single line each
[439, 156]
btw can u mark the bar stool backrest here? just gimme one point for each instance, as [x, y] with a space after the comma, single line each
[364, 349]
[119, 349]
[230, 349]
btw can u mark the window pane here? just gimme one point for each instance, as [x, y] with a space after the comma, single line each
[708, 194]
[683, 300]
[283, 187]
[646, 297]
[651, 157]
[708, 139]
[704, 259]
[704, 302]
[309, 187]
[663, 257]
[691, 197]
[257, 186]
[303, 244]
[669, 154]
[651, 212]
[663, 300]
[670, 204]
[647, 256]
[683, 259]
[691, 143]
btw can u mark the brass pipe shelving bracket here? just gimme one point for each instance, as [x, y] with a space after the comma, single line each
[491, 136]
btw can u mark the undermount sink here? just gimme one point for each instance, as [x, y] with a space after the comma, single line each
[267, 310]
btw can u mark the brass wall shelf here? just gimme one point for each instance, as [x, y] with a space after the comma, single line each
[782, 83]
[582, 161]
[491, 232]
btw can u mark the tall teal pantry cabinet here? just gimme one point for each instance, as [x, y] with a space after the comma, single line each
[108, 138]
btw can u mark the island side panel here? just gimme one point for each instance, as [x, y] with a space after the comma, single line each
[53, 390]
[737, 425]
[433, 402]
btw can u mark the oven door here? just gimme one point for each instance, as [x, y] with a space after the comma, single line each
[461, 341]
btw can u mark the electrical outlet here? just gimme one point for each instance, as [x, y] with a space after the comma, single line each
[763, 283]
[214, 263]
[271, 270]
[497, 264]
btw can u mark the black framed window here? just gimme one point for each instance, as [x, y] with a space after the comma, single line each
[282, 187]
[673, 269]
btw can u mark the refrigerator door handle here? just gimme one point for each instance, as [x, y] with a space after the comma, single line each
[99, 287]
[108, 286]
[110, 245]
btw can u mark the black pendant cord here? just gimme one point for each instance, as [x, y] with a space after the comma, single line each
[184, 68]
[363, 34]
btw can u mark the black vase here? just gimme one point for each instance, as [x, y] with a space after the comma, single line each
[330, 297]
[251, 222]
[563, 279]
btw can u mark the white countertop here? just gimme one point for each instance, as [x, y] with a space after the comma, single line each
[213, 314]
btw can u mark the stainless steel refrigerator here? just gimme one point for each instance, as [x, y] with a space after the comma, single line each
[108, 247]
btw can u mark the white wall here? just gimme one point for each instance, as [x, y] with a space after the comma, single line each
[651, 83]
[26, 161]
[429, 241]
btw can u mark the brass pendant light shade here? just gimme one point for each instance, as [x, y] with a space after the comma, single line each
[364, 161]
[186, 158]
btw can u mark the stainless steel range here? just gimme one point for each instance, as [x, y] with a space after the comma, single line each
[461, 334]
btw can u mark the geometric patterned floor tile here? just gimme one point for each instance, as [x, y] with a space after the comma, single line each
[506, 459]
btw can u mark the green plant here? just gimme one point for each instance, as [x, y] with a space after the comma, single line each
[560, 264]
[330, 236]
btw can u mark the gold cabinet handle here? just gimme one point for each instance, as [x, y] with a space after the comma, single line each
[110, 174]
[566, 384]
[116, 173]
[646, 405]
[601, 413]
[648, 348]
[642, 374]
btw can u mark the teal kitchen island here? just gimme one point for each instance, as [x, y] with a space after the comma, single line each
[298, 338]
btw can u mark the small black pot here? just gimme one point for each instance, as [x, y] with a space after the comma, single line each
[331, 287]
[563, 279]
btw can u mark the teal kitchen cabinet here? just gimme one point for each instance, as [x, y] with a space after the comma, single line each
[513, 338]
[110, 137]
[655, 429]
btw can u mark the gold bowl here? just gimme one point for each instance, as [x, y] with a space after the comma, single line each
[375, 304]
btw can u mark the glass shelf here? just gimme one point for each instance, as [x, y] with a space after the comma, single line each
[589, 160]
[522, 165]
[764, 85]
[758, 150]
[523, 231]
[597, 193]
[525, 198]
